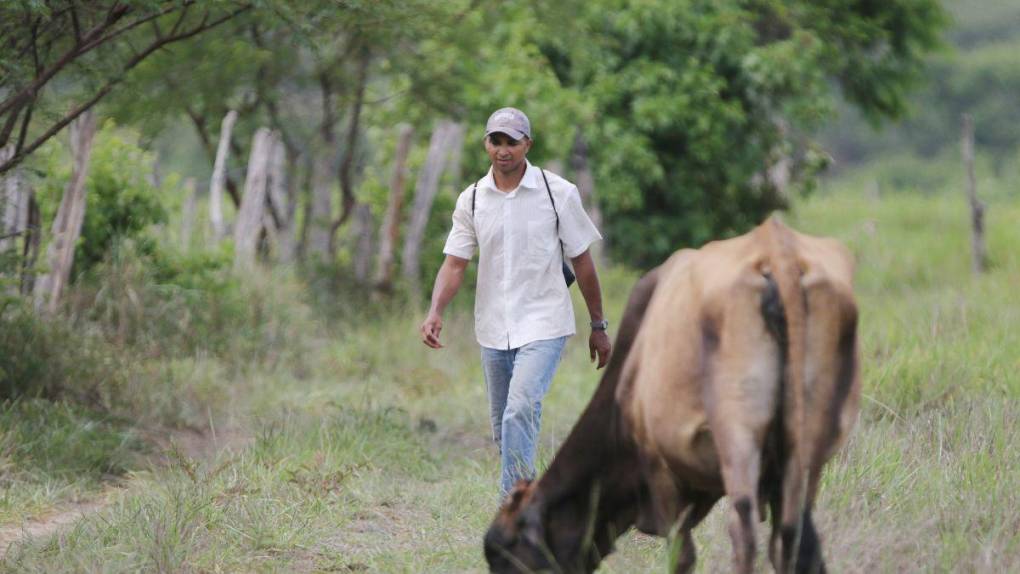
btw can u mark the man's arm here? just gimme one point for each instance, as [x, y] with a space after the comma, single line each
[588, 282]
[448, 281]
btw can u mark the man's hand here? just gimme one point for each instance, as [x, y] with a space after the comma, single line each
[598, 344]
[430, 331]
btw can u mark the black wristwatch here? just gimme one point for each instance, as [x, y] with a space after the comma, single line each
[599, 325]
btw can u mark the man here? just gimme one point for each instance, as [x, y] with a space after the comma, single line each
[523, 220]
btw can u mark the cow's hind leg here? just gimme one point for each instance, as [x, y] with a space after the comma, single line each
[741, 477]
[740, 458]
[809, 556]
[809, 551]
[743, 368]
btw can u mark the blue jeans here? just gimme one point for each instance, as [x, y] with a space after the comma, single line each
[517, 380]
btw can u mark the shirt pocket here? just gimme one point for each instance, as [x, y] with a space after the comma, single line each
[541, 242]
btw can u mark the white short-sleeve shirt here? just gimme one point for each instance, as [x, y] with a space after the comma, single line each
[521, 296]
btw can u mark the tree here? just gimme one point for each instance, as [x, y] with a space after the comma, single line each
[95, 43]
[692, 103]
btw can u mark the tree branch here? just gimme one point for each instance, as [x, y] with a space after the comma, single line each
[76, 25]
[78, 50]
[180, 19]
[8, 127]
[347, 164]
[130, 64]
[23, 132]
[96, 37]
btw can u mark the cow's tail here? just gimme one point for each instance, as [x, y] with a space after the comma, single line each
[786, 271]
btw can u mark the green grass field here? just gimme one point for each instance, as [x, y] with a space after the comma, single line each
[368, 452]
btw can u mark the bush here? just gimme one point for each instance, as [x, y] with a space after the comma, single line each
[168, 304]
[49, 359]
[122, 200]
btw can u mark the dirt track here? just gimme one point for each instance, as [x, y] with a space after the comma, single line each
[169, 446]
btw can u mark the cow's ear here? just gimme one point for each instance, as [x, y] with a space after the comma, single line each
[516, 495]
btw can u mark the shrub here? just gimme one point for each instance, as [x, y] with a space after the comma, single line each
[49, 359]
[122, 200]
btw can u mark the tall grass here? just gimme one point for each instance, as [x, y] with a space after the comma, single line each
[371, 452]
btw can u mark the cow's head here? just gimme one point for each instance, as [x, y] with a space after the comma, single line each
[529, 536]
[516, 540]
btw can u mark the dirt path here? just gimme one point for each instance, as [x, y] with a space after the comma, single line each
[49, 523]
[192, 444]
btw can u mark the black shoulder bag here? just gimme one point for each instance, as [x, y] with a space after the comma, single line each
[568, 274]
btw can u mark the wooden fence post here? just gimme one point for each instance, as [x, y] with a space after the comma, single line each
[13, 204]
[389, 232]
[219, 178]
[446, 135]
[69, 219]
[977, 209]
[253, 203]
[14, 211]
[280, 202]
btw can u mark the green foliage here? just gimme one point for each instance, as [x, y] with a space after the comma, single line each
[121, 201]
[41, 358]
[64, 440]
[165, 303]
[693, 101]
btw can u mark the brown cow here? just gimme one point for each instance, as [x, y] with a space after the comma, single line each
[734, 373]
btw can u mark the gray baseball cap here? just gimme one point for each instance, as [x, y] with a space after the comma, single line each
[509, 121]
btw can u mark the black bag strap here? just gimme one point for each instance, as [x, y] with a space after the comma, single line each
[568, 274]
[555, 212]
[474, 190]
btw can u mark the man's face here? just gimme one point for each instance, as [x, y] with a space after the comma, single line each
[506, 153]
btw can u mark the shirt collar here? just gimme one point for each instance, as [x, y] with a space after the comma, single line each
[531, 179]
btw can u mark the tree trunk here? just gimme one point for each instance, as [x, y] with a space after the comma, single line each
[281, 203]
[69, 219]
[389, 233]
[347, 163]
[320, 220]
[13, 204]
[977, 208]
[445, 134]
[188, 213]
[586, 187]
[365, 246]
[14, 212]
[219, 177]
[453, 162]
[249, 223]
[306, 205]
[30, 253]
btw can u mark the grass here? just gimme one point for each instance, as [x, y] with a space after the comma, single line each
[371, 452]
[58, 451]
